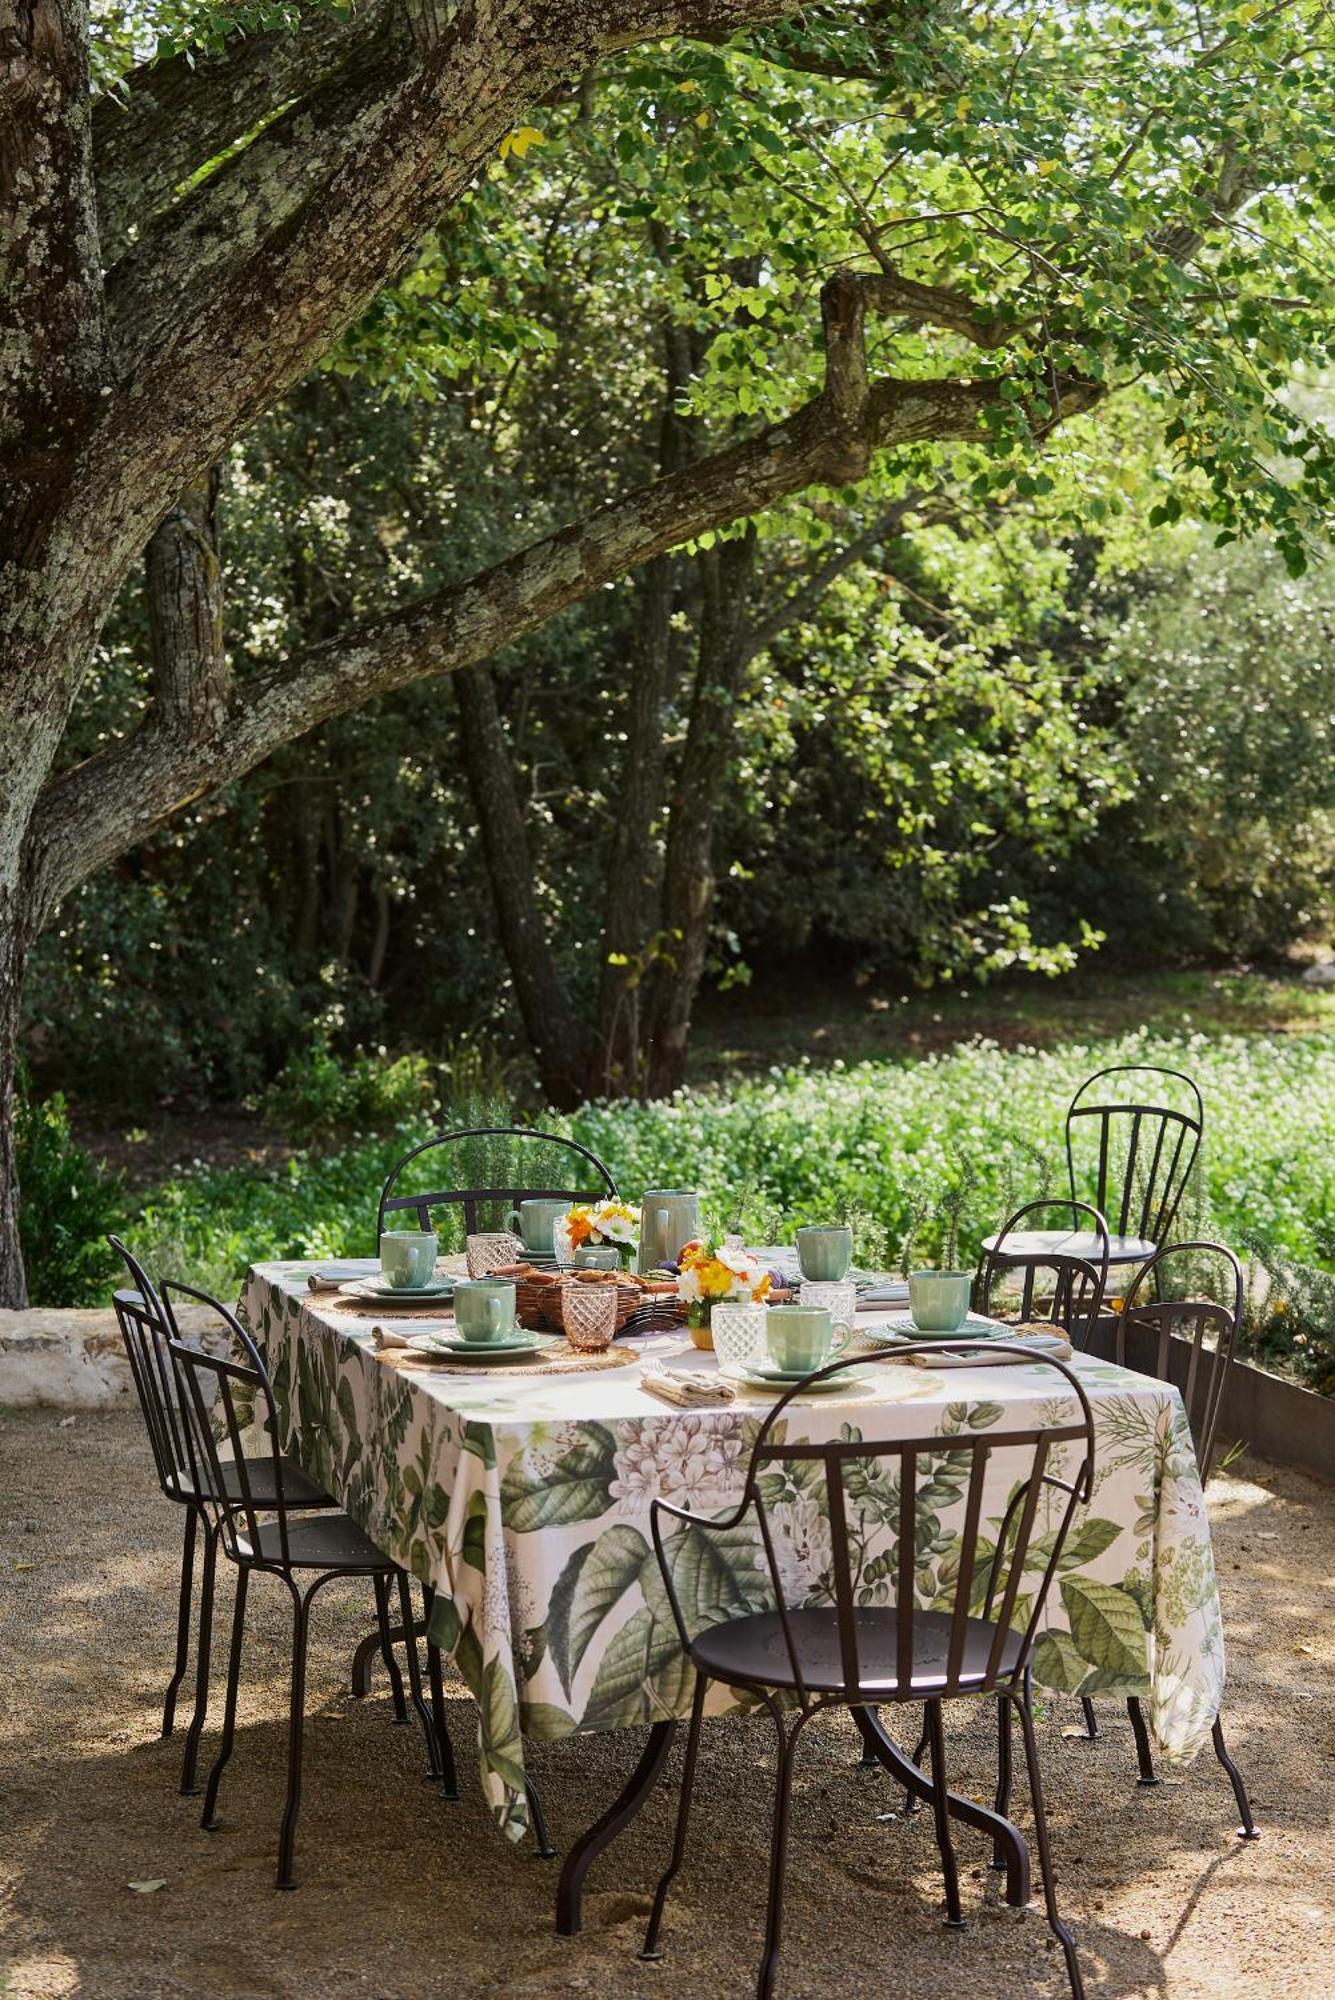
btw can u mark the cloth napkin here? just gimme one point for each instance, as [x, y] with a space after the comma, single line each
[688, 1388]
[320, 1281]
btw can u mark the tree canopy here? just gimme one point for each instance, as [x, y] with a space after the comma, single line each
[796, 294]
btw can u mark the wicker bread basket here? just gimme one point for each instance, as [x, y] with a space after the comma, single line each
[540, 1297]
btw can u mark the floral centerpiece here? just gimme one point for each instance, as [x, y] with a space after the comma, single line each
[598, 1222]
[712, 1273]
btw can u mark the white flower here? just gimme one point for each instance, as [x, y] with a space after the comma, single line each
[688, 1286]
[802, 1547]
[735, 1259]
[689, 1458]
[616, 1222]
[544, 1448]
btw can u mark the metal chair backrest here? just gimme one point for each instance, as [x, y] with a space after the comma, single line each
[1139, 1188]
[1079, 1283]
[897, 1483]
[1185, 1324]
[225, 1397]
[146, 1334]
[498, 1166]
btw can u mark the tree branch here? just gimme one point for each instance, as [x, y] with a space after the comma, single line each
[169, 118]
[191, 682]
[97, 810]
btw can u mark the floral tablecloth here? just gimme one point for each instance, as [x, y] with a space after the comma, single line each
[524, 1501]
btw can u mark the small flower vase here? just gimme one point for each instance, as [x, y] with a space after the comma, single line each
[699, 1327]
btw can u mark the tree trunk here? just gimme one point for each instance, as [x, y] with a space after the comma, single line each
[633, 864]
[688, 875]
[13, 955]
[488, 761]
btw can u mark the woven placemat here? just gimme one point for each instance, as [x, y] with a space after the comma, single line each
[343, 1302]
[567, 1363]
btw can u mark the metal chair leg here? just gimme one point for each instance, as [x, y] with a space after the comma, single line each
[1055, 1924]
[1005, 1772]
[1091, 1720]
[1144, 1750]
[449, 1776]
[381, 1585]
[869, 1761]
[1249, 1829]
[184, 1608]
[941, 1815]
[202, 1661]
[435, 1765]
[545, 1850]
[182, 1620]
[769, 1964]
[208, 1818]
[912, 1803]
[296, 1722]
[650, 1949]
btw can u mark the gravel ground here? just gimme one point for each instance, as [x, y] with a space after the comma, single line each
[402, 1896]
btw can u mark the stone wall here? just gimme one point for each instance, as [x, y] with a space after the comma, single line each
[72, 1360]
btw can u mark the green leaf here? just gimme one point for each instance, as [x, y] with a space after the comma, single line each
[475, 1528]
[1088, 1542]
[639, 1676]
[1106, 1626]
[1057, 1664]
[543, 1721]
[714, 1574]
[499, 1724]
[576, 1490]
[593, 1580]
[480, 1439]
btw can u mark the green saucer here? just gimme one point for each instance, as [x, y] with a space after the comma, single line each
[459, 1349]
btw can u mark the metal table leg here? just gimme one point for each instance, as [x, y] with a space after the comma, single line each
[1006, 1836]
[585, 1851]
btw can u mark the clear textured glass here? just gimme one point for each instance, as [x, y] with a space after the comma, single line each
[739, 1333]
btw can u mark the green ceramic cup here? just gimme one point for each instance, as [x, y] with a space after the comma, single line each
[939, 1300]
[534, 1222]
[597, 1257]
[803, 1337]
[484, 1308]
[825, 1253]
[408, 1259]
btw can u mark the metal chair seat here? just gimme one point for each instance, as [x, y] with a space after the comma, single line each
[331, 1542]
[1020, 1245]
[298, 1490]
[754, 1651]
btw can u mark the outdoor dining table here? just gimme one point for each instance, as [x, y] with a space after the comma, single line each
[521, 1498]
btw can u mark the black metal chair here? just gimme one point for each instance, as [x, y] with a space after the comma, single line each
[1077, 1258]
[1166, 1337]
[229, 1394]
[146, 1332]
[1132, 1160]
[854, 1653]
[494, 1168]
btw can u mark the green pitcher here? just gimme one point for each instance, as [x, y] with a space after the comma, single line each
[669, 1217]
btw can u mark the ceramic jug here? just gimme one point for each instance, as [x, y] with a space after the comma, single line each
[669, 1217]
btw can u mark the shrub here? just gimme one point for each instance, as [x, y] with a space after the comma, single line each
[67, 1205]
[318, 1096]
[803, 1145]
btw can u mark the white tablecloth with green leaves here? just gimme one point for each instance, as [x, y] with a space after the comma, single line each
[524, 1502]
